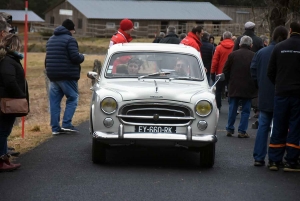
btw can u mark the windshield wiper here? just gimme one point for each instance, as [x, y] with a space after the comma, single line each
[154, 74]
[184, 78]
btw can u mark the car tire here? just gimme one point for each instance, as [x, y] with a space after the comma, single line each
[98, 152]
[207, 156]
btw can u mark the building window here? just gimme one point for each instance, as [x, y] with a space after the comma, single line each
[136, 25]
[52, 21]
[79, 24]
[110, 25]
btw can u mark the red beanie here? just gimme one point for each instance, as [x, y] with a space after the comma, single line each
[126, 24]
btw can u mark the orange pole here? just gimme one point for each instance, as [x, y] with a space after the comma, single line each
[25, 56]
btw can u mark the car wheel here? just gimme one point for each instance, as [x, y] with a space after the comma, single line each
[98, 152]
[207, 156]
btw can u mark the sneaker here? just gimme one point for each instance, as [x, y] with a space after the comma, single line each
[13, 153]
[259, 163]
[229, 134]
[243, 135]
[71, 129]
[58, 132]
[291, 167]
[273, 166]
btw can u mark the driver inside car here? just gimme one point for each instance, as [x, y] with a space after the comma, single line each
[134, 65]
[181, 67]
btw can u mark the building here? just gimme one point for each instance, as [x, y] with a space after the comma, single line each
[100, 18]
[18, 19]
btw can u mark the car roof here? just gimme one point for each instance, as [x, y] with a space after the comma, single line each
[161, 47]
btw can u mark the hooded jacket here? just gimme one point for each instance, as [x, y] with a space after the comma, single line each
[62, 57]
[192, 40]
[120, 37]
[221, 56]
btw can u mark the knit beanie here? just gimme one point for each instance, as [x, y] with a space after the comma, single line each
[126, 24]
[68, 24]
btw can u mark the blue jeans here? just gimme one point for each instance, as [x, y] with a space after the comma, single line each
[261, 141]
[58, 90]
[6, 125]
[233, 106]
[286, 130]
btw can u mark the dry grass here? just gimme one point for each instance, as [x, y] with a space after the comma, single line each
[37, 123]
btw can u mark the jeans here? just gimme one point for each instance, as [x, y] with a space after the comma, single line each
[219, 88]
[58, 89]
[286, 130]
[261, 141]
[6, 125]
[233, 106]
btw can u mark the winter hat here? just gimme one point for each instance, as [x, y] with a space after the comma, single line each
[68, 24]
[249, 25]
[126, 24]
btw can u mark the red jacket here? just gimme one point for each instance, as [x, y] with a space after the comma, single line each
[120, 37]
[221, 55]
[192, 40]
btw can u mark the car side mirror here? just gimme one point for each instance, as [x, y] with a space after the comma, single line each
[92, 75]
[219, 77]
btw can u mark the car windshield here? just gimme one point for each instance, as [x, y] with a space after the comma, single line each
[148, 65]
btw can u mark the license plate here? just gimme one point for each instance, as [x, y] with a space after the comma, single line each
[155, 129]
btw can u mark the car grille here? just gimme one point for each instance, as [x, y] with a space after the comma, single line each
[155, 114]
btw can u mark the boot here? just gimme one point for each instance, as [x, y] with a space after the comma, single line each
[5, 158]
[4, 167]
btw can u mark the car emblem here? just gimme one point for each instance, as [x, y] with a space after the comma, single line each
[155, 117]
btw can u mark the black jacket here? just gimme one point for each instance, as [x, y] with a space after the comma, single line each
[257, 41]
[237, 73]
[284, 67]
[12, 79]
[259, 68]
[171, 38]
[62, 57]
[207, 52]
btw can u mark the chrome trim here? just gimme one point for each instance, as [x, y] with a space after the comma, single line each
[121, 131]
[156, 136]
[189, 133]
[210, 106]
[112, 111]
[151, 117]
[163, 109]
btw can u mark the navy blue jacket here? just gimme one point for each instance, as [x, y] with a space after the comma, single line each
[171, 38]
[62, 57]
[259, 69]
[207, 52]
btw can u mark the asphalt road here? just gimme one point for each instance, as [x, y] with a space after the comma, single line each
[61, 169]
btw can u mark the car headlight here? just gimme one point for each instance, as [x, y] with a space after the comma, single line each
[203, 108]
[109, 105]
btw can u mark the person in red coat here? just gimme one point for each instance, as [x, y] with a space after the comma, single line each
[218, 61]
[193, 38]
[123, 33]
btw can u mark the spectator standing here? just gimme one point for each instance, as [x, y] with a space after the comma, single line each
[265, 40]
[249, 31]
[284, 73]
[212, 40]
[171, 36]
[63, 70]
[159, 37]
[123, 35]
[266, 92]
[241, 86]
[193, 38]
[207, 52]
[219, 59]
[182, 36]
[12, 85]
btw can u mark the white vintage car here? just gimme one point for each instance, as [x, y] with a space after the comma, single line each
[153, 95]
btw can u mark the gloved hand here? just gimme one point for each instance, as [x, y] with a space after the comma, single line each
[213, 77]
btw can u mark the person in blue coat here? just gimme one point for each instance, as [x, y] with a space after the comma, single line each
[63, 70]
[266, 92]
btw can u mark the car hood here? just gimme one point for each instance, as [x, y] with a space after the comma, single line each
[173, 90]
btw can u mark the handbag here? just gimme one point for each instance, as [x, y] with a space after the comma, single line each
[17, 107]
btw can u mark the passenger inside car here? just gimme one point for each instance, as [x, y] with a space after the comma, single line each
[134, 65]
[181, 67]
